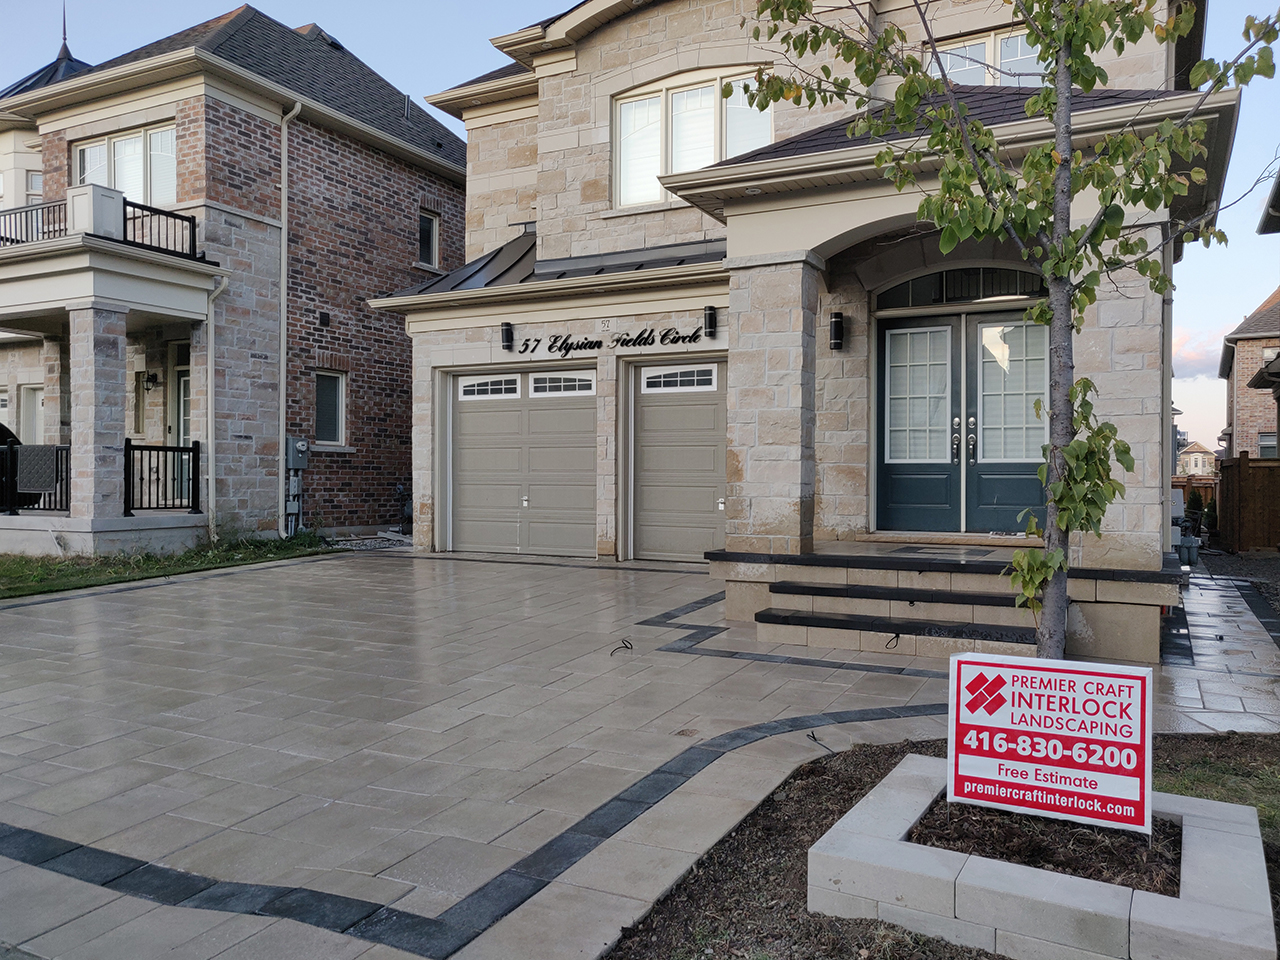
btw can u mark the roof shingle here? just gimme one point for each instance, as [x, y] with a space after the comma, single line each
[312, 64]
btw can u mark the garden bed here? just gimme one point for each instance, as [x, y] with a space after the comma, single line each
[747, 898]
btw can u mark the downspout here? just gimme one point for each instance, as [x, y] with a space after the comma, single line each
[284, 306]
[211, 499]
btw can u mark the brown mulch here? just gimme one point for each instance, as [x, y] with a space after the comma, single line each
[1096, 853]
[746, 899]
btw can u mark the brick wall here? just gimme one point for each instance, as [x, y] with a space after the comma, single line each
[353, 223]
[1254, 410]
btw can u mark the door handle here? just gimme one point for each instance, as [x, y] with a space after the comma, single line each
[524, 501]
[955, 448]
[973, 449]
[720, 504]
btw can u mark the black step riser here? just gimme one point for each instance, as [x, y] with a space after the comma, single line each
[921, 628]
[855, 591]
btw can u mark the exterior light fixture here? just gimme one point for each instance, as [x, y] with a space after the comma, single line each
[150, 382]
[508, 336]
[837, 331]
[709, 322]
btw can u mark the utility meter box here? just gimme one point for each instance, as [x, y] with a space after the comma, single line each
[296, 450]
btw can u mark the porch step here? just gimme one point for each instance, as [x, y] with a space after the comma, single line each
[900, 635]
[906, 603]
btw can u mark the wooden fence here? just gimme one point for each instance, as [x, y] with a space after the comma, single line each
[1249, 504]
[1206, 484]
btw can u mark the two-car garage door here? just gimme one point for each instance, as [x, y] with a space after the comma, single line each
[524, 462]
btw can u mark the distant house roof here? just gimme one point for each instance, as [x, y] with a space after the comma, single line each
[1195, 446]
[516, 262]
[1263, 322]
[312, 64]
[64, 66]
[989, 104]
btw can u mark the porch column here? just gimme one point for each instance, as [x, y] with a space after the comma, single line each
[57, 390]
[98, 387]
[773, 308]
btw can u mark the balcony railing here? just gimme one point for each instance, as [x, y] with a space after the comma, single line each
[147, 227]
[40, 221]
[156, 229]
[34, 477]
[161, 478]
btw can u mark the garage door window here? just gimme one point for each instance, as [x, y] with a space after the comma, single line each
[678, 379]
[479, 388]
[577, 383]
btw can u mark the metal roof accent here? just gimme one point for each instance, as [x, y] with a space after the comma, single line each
[64, 66]
[515, 262]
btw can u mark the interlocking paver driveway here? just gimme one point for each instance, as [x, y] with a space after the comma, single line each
[390, 728]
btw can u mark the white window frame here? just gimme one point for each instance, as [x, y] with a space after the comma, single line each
[647, 372]
[947, 392]
[35, 187]
[534, 393]
[106, 142]
[434, 260]
[464, 382]
[982, 397]
[991, 56]
[664, 90]
[341, 377]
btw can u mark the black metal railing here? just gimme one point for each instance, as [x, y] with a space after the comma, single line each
[43, 482]
[161, 478]
[40, 221]
[161, 230]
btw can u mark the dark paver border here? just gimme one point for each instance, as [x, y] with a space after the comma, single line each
[435, 938]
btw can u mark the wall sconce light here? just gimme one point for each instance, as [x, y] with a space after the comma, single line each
[709, 322]
[837, 331]
[150, 382]
[508, 336]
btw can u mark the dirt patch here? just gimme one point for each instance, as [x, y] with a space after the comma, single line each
[747, 898]
[1261, 569]
[1095, 853]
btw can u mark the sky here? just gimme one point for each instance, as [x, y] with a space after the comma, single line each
[426, 46]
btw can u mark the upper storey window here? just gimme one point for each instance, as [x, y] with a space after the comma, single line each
[1002, 58]
[678, 126]
[141, 164]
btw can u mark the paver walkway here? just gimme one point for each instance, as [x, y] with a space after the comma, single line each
[408, 748]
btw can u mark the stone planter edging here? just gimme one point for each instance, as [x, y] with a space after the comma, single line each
[863, 867]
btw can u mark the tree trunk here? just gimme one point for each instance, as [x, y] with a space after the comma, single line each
[1051, 635]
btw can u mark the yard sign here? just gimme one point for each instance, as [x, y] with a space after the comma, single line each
[1051, 737]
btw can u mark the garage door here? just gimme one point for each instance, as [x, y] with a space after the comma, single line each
[681, 428]
[524, 463]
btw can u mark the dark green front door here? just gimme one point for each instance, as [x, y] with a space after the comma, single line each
[958, 438]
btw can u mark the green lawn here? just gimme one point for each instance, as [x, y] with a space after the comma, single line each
[23, 576]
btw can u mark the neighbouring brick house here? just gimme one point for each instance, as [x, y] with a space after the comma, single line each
[692, 330]
[163, 174]
[1251, 413]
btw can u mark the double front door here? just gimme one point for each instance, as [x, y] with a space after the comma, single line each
[959, 440]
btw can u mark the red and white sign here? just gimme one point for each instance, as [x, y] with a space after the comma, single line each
[1051, 737]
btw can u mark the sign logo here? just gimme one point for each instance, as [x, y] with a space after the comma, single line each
[1051, 737]
[985, 693]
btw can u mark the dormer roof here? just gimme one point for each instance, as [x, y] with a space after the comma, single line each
[64, 66]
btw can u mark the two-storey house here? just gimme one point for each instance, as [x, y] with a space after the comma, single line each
[197, 227]
[690, 329]
[1251, 414]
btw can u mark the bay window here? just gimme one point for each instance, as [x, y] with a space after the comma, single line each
[678, 126]
[141, 164]
[1001, 58]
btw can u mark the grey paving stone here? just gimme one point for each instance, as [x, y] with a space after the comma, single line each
[556, 856]
[609, 818]
[963, 932]
[162, 884]
[892, 807]
[484, 907]
[1225, 869]
[406, 931]
[907, 874]
[1165, 928]
[235, 897]
[92, 866]
[1049, 906]
[31, 846]
[318, 909]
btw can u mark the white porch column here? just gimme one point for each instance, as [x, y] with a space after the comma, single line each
[98, 386]
[773, 307]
